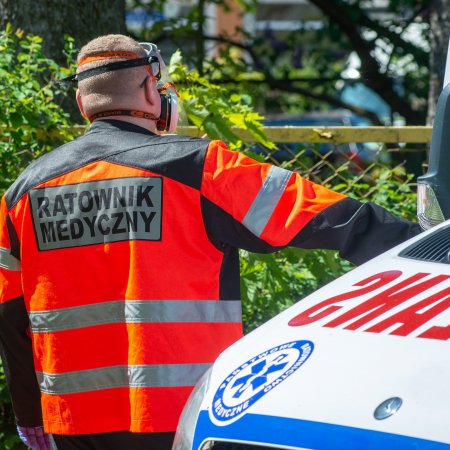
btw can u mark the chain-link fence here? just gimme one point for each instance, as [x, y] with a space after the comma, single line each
[349, 168]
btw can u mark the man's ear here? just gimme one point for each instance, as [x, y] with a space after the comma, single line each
[152, 95]
[80, 104]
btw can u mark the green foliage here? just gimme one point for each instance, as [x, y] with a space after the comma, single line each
[29, 108]
[213, 110]
[271, 283]
[9, 440]
[391, 188]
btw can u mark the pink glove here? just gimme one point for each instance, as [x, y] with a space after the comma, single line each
[35, 438]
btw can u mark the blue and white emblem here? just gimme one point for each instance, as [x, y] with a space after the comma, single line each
[256, 377]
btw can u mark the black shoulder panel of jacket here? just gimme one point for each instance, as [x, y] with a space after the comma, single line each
[180, 159]
[359, 231]
[177, 157]
[17, 356]
[223, 230]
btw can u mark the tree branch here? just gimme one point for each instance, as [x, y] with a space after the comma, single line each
[380, 82]
[393, 37]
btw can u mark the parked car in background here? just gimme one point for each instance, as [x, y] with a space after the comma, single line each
[360, 153]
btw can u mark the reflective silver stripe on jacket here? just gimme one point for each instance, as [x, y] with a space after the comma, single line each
[8, 261]
[135, 311]
[155, 375]
[266, 200]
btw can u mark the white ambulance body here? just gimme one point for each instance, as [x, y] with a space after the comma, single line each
[362, 363]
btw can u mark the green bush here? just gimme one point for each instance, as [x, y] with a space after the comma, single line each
[29, 106]
[9, 440]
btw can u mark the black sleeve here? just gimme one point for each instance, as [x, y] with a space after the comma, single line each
[224, 231]
[17, 356]
[359, 231]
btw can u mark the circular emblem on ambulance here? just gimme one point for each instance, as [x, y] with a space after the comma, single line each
[256, 377]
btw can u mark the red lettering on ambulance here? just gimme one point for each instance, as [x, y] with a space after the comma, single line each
[441, 333]
[438, 332]
[386, 300]
[412, 318]
[318, 312]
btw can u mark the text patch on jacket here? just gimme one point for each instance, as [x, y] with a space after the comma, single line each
[96, 212]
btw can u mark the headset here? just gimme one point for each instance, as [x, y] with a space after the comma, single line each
[168, 120]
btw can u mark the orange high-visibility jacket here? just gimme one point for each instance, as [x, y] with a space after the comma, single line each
[119, 276]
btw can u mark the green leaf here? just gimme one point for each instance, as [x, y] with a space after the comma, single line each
[175, 61]
[216, 128]
[235, 98]
[256, 156]
[257, 131]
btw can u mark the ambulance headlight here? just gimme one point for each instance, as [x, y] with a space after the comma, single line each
[429, 212]
[186, 427]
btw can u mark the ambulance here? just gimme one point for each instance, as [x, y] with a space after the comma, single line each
[362, 363]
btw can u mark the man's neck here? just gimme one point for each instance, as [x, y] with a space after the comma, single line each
[148, 124]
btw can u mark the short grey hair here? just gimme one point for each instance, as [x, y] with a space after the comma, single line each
[110, 89]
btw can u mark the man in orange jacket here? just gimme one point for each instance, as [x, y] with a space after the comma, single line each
[119, 258]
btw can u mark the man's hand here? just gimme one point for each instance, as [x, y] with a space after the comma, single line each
[35, 438]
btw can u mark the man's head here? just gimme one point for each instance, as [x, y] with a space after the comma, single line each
[126, 89]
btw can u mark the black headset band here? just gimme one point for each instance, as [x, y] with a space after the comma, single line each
[118, 65]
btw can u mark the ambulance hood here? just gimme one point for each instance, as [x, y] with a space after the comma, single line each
[363, 362]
